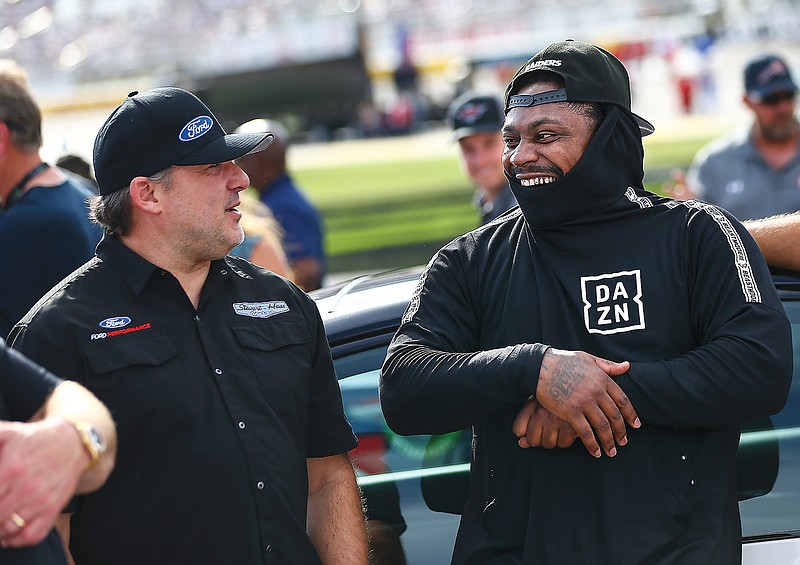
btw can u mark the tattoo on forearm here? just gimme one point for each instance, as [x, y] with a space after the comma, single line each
[566, 373]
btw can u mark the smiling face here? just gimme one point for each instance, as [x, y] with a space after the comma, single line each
[544, 142]
[481, 155]
[200, 205]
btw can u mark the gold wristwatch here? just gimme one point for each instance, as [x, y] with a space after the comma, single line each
[92, 441]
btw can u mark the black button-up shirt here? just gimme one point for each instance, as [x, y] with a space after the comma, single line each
[217, 408]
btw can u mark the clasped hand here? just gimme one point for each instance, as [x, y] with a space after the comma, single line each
[40, 464]
[577, 398]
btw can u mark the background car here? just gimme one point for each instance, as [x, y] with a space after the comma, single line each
[415, 486]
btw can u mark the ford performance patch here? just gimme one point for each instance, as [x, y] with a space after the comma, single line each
[260, 309]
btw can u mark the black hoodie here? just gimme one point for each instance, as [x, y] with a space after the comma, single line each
[593, 262]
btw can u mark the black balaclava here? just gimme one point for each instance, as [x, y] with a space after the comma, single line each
[612, 162]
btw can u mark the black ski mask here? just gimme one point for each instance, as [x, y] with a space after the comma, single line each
[614, 158]
[612, 162]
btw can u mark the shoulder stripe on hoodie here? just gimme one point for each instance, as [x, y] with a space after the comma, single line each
[741, 260]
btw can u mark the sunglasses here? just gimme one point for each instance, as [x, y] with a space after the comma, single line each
[776, 99]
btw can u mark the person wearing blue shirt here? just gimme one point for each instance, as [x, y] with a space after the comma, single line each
[297, 216]
[44, 216]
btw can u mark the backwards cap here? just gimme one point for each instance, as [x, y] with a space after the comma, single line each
[590, 73]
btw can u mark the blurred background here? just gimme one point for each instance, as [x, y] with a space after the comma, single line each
[363, 85]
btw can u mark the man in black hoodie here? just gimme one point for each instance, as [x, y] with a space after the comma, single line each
[646, 327]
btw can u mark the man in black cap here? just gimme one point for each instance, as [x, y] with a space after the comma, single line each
[476, 119]
[754, 172]
[232, 438]
[645, 327]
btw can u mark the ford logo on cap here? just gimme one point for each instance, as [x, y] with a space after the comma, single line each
[116, 322]
[197, 127]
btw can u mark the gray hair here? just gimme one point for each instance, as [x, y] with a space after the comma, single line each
[114, 212]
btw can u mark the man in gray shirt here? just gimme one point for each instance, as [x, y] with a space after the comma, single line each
[755, 172]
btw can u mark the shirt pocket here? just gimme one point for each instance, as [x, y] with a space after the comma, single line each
[144, 385]
[279, 354]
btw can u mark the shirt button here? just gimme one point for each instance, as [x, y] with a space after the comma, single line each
[218, 371]
[268, 549]
[692, 482]
[241, 425]
[260, 485]
[683, 457]
[223, 272]
[197, 318]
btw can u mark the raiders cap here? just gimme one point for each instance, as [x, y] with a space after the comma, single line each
[590, 73]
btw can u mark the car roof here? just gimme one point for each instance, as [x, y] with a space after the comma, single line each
[367, 305]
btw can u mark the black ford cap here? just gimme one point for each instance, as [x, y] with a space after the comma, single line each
[155, 129]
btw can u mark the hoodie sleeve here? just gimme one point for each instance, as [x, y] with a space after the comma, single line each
[24, 385]
[742, 366]
[434, 379]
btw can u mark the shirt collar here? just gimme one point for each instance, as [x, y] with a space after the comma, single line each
[136, 271]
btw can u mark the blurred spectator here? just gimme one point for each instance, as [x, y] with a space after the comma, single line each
[687, 68]
[300, 221]
[80, 167]
[476, 120]
[400, 118]
[56, 439]
[753, 172]
[44, 224]
[262, 243]
[369, 119]
[707, 89]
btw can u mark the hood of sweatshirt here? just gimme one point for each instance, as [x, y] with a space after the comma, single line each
[612, 162]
